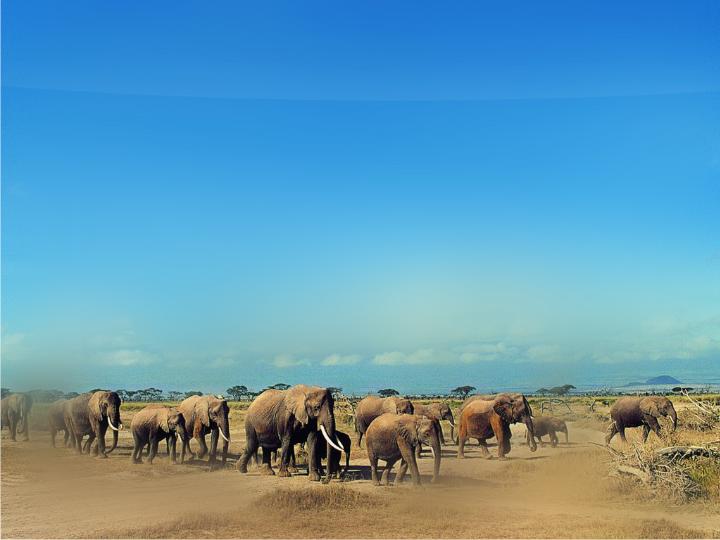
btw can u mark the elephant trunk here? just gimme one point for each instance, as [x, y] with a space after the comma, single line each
[114, 443]
[437, 452]
[530, 433]
[182, 433]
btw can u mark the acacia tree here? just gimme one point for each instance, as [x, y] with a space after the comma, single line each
[279, 386]
[462, 391]
[561, 390]
[237, 392]
[387, 392]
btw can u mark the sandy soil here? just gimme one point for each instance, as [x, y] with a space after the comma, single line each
[554, 492]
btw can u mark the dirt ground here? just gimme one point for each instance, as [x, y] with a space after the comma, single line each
[553, 492]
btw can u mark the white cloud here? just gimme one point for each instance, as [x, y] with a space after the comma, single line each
[129, 357]
[288, 360]
[421, 356]
[341, 360]
[222, 363]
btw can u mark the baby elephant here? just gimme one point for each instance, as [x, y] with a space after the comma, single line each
[391, 437]
[153, 424]
[547, 425]
[334, 461]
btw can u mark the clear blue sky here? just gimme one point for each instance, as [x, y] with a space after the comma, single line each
[408, 194]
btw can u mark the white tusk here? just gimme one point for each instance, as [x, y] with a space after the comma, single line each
[223, 435]
[111, 424]
[336, 447]
[433, 451]
[339, 443]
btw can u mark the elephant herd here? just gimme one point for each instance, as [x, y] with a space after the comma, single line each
[394, 428]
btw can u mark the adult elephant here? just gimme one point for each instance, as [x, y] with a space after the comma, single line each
[639, 411]
[91, 414]
[483, 419]
[56, 421]
[370, 407]
[522, 412]
[203, 415]
[16, 414]
[437, 412]
[391, 437]
[153, 424]
[283, 418]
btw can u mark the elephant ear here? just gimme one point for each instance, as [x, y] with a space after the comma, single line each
[409, 432]
[649, 406]
[164, 417]
[296, 404]
[203, 411]
[499, 408]
[95, 404]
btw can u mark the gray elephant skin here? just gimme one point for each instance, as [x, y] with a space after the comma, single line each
[392, 437]
[203, 415]
[56, 421]
[16, 414]
[548, 425]
[370, 407]
[639, 411]
[154, 424]
[283, 418]
[92, 414]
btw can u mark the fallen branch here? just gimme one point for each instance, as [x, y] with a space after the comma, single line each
[684, 452]
[642, 475]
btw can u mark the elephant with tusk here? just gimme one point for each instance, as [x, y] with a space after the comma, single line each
[203, 415]
[92, 414]
[482, 419]
[639, 411]
[16, 414]
[283, 418]
[391, 437]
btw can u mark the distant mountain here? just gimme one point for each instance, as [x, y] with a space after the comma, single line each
[662, 379]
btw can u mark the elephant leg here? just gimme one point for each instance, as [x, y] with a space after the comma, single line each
[385, 480]
[87, 448]
[646, 432]
[100, 448]
[408, 455]
[438, 425]
[200, 438]
[285, 450]
[251, 448]
[612, 430]
[171, 443]
[373, 466]
[66, 437]
[567, 441]
[53, 433]
[138, 446]
[418, 451]
[484, 448]
[653, 424]
[401, 472]
[621, 430]
[313, 457]
[214, 436]
[461, 447]
[13, 427]
[154, 442]
[266, 467]
[553, 439]
[360, 436]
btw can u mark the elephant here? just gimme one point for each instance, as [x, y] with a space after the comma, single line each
[16, 414]
[91, 414]
[205, 414]
[482, 419]
[391, 437]
[153, 424]
[522, 412]
[547, 425]
[282, 418]
[334, 462]
[370, 407]
[56, 421]
[436, 412]
[639, 411]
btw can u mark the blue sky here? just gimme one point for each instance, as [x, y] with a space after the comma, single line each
[406, 194]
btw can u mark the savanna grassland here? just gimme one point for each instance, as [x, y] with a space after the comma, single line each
[573, 490]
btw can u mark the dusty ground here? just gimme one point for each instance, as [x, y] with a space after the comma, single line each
[554, 492]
